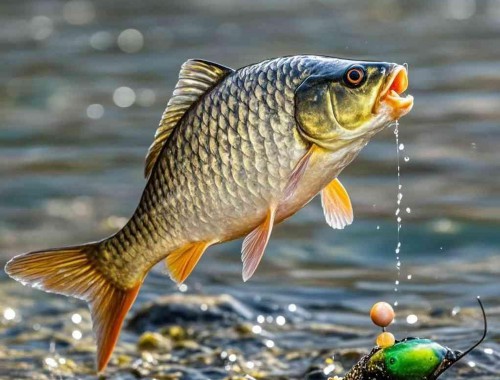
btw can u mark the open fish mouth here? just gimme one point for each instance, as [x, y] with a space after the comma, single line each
[391, 98]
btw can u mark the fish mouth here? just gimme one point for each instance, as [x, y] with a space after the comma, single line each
[391, 98]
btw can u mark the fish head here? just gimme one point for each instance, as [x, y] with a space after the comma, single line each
[346, 100]
[409, 359]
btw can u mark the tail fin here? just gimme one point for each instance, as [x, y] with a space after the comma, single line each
[70, 271]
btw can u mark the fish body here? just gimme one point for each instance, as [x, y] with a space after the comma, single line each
[236, 152]
[228, 160]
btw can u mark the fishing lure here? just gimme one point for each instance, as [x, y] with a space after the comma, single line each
[410, 359]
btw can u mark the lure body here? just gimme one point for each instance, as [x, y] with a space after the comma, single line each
[408, 359]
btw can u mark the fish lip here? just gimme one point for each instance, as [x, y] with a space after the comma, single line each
[390, 99]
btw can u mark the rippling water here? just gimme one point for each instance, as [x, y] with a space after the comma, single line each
[83, 86]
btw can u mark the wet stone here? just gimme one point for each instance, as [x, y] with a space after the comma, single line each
[224, 310]
[151, 341]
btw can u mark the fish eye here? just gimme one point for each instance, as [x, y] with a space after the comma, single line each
[392, 361]
[354, 76]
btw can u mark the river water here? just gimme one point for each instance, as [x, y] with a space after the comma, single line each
[83, 87]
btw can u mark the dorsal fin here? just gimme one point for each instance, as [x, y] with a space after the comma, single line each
[195, 78]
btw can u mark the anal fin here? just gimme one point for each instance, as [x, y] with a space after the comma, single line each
[255, 244]
[336, 205]
[182, 261]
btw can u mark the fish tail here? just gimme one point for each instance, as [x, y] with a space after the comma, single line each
[72, 271]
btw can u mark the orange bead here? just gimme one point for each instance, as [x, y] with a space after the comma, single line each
[386, 339]
[382, 314]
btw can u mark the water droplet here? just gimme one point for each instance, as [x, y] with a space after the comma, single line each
[146, 97]
[408, 210]
[76, 334]
[256, 329]
[397, 211]
[78, 12]
[101, 40]
[411, 319]
[280, 320]
[9, 314]
[41, 27]
[95, 111]
[378, 227]
[269, 343]
[401, 146]
[409, 277]
[329, 369]
[124, 97]
[407, 158]
[50, 362]
[292, 307]
[76, 318]
[130, 41]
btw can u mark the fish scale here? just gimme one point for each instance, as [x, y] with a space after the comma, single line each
[252, 156]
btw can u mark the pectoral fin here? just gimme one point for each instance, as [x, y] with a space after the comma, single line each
[255, 244]
[336, 205]
[182, 261]
[298, 173]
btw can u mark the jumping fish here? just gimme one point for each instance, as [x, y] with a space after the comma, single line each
[236, 152]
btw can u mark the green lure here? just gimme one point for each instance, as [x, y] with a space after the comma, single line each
[409, 359]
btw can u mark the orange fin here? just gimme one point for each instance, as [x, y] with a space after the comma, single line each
[70, 271]
[298, 173]
[182, 261]
[336, 205]
[255, 244]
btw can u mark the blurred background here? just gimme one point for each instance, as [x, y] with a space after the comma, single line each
[83, 86]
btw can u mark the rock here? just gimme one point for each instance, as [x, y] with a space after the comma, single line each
[151, 341]
[182, 309]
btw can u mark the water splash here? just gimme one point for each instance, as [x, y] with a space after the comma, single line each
[397, 250]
